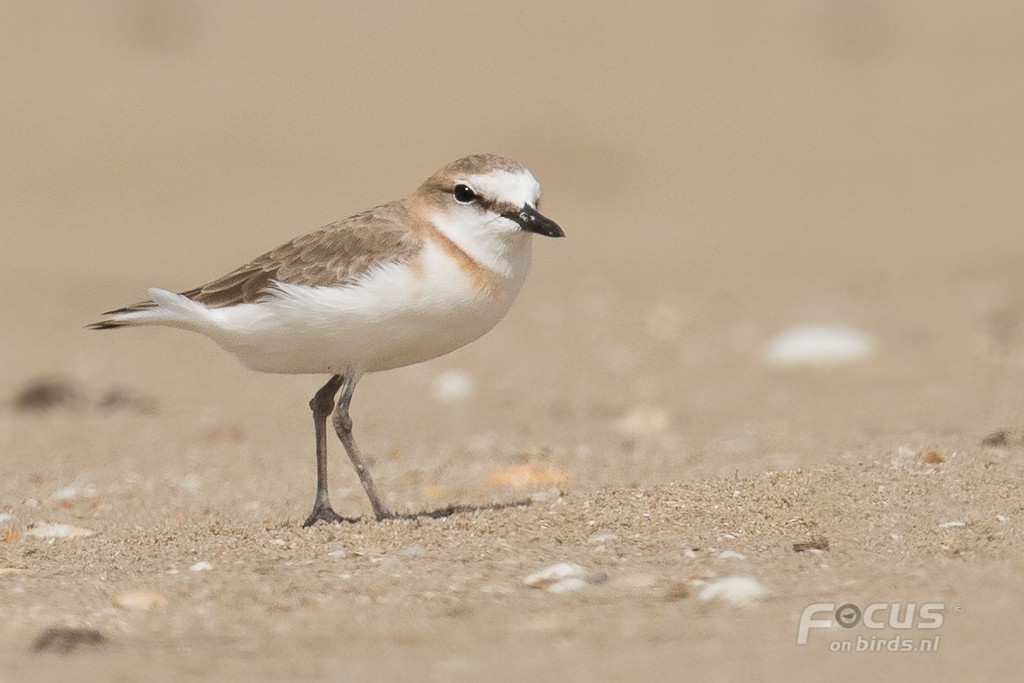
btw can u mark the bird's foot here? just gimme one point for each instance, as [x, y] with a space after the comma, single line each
[382, 513]
[324, 513]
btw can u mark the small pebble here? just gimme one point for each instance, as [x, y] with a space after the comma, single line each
[818, 345]
[948, 525]
[736, 590]
[731, 555]
[6, 517]
[66, 493]
[45, 530]
[997, 439]
[818, 543]
[202, 566]
[41, 395]
[71, 492]
[64, 639]
[139, 600]
[563, 577]
[337, 554]
[452, 386]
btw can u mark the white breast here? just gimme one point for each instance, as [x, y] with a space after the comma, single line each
[398, 315]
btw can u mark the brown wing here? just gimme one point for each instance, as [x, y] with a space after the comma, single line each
[337, 254]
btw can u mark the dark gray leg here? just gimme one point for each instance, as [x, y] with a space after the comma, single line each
[322, 405]
[343, 426]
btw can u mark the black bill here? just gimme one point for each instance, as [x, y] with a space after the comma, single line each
[530, 220]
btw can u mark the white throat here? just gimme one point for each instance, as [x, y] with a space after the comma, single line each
[487, 240]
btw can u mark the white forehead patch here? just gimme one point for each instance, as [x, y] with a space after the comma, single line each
[515, 188]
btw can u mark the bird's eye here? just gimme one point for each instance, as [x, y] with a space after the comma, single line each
[464, 194]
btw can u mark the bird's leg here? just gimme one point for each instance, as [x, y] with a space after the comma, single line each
[322, 405]
[343, 426]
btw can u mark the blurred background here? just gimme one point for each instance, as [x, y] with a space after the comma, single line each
[724, 171]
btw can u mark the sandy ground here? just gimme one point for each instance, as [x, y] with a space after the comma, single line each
[724, 172]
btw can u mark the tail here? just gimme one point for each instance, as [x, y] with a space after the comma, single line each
[163, 308]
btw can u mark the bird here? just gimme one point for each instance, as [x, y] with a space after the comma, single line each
[392, 286]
